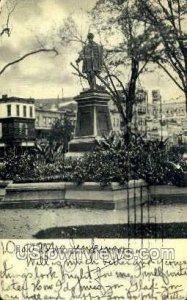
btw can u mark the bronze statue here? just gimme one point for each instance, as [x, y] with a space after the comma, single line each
[92, 57]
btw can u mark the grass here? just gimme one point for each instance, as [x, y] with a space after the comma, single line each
[151, 230]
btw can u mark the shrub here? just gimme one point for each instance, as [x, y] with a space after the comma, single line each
[29, 167]
[114, 160]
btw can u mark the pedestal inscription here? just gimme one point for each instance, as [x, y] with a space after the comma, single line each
[93, 120]
[85, 122]
[103, 121]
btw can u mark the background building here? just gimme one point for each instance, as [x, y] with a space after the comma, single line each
[24, 120]
[139, 114]
[45, 120]
[115, 117]
[167, 119]
[48, 111]
[17, 121]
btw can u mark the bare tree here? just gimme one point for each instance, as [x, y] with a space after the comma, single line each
[8, 8]
[15, 61]
[69, 32]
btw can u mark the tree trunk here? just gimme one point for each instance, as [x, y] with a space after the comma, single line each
[185, 92]
[131, 99]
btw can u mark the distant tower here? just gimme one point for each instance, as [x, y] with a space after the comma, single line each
[156, 96]
[156, 99]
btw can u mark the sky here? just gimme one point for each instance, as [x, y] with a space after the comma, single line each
[43, 75]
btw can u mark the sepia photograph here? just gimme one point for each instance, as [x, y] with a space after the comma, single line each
[93, 119]
[93, 147]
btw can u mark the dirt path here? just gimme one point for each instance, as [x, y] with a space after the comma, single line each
[24, 223]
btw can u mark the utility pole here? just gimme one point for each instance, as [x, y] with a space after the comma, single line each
[161, 119]
[62, 93]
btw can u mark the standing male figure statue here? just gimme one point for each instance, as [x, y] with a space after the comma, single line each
[92, 57]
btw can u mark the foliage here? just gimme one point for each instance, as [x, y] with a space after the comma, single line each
[114, 160]
[129, 46]
[31, 166]
[54, 147]
[98, 167]
[175, 153]
[48, 152]
[69, 32]
[168, 20]
[61, 133]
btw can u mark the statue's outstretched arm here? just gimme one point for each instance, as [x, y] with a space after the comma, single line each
[81, 56]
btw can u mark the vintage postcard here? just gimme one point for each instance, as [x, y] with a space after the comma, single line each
[93, 149]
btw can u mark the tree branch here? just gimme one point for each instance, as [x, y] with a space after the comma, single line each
[25, 56]
[179, 16]
[6, 28]
[143, 67]
[10, 13]
[170, 16]
[170, 4]
[119, 81]
[159, 25]
[169, 74]
[114, 94]
[78, 71]
[179, 72]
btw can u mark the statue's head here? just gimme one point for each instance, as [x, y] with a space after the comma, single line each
[90, 36]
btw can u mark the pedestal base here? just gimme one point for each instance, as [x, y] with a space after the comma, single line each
[82, 144]
[93, 120]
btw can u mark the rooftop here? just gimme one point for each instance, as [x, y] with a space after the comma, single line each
[7, 99]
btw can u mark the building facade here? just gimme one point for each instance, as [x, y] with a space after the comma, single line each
[166, 119]
[140, 111]
[139, 122]
[45, 120]
[24, 120]
[17, 121]
[48, 111]
[115, 117]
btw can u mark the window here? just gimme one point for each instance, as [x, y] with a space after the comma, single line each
[9, 110]
[26, 129]
[23, 129]
[17, 110]
[45, 121]
[24, 110]
[31, 112]
[114, 123]
[37, 120]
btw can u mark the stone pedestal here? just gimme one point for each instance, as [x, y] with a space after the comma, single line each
[88, 194]
[93, 120]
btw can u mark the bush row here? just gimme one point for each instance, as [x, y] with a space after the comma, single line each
[113, 160]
